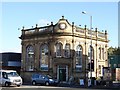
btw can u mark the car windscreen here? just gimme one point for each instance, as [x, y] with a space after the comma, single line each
[12, 74]
[50, 77]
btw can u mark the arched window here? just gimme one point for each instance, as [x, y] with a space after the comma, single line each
[44, 57]
[29, 58]
[67, 51]
[79, 54]
[59, 50]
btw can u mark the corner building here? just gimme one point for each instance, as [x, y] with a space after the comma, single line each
[63, 50]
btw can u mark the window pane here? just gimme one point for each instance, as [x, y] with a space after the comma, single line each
[67, 50]
[99, 53]
[29, 58]
[58, 49]
[44, 57]
[78, 57]
[103, 53]
[99, 69]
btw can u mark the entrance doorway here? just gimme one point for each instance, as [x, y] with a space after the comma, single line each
[62, 72]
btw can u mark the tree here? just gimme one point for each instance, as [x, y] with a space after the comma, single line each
[110, 50]
[114, 51]
[117, 51]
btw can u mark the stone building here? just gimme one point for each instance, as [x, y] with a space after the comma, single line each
[63, 50]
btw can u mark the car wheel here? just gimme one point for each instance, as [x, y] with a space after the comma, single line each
[6, 84]
[18, 85]
[46, 83]
[33, 82]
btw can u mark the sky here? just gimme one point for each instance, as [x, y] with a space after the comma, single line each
[119, 24]
[15, 15]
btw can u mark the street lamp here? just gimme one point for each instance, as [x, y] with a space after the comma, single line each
[84, 12]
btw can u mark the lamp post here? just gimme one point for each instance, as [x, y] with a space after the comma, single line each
[90, 44]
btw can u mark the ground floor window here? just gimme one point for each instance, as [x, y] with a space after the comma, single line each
[29, 58]
[79, 53]
[44, 57]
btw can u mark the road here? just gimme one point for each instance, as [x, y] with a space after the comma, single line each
[29, 87]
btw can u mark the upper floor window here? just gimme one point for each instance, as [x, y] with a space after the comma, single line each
[115, 65]
[99, 53]
[99, 69]
[67, 51]
[44, 57]
[79, 54]
[118, 65]
[29, 58]
[59, 47]
[91, 53]
[103, 53]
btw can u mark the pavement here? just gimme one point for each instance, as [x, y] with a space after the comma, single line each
[92, 87]
[116, 87]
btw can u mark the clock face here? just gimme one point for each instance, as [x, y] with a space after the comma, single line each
[62, 25]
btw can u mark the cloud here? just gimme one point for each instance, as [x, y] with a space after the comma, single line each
[43, 22]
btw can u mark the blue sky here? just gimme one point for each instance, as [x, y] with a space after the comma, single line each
[18, 14]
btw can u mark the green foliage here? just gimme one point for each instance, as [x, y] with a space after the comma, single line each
[117, 51]
[114, 51]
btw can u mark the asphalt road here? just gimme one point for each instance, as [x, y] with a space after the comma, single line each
[26, 87]
[29, 87]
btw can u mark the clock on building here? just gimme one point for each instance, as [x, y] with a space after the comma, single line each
[62, 26]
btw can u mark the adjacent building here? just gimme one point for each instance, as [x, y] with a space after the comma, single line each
[114, 64]
[63, 50]
[10, 61]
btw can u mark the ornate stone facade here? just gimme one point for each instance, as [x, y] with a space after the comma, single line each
[63, 50]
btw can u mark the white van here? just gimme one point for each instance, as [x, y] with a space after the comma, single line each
[10, 77]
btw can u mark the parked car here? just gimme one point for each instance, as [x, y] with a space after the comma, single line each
[43, 79]
[10, 77]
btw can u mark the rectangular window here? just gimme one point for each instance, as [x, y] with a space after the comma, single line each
[109, 65]
[99, 53]
[118, 65]
[44, 68]
[99, 69]
[44, 63]
[78, 68]
[115, 65]
[58, 53]
[67, 51]
[103, 53]
[59, 50]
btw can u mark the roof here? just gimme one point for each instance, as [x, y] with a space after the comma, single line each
[7, 71]
[10, 53]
